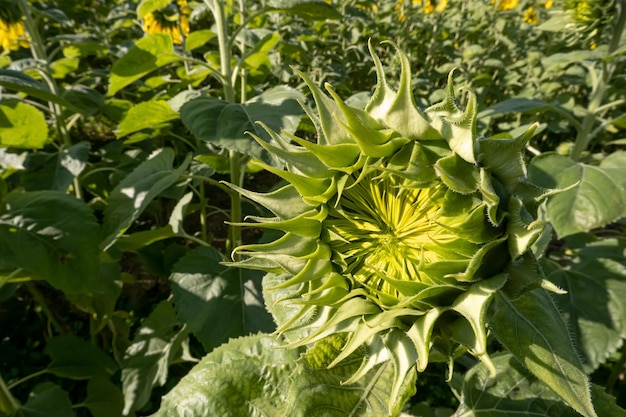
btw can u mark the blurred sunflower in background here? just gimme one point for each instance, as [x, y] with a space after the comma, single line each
[172, 19]
[530, 16]
[589, 14]
[432, 6]
[506, 4]
[12, 34]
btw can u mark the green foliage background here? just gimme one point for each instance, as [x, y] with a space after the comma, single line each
[115, 298]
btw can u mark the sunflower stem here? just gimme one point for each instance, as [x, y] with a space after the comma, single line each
[39, 53]
[8, 404]
[236, 173]
[585, 134]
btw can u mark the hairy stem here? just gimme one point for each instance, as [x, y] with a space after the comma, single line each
[584, 134]
[236, 173]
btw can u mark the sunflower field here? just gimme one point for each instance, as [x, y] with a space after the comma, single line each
[340, 208]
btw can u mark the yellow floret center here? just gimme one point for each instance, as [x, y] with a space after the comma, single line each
[381, 232]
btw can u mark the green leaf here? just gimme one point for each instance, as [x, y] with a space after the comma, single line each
[226, 124]
[22, 126]
[47, 400]
[594, 310]
[62, 67]
[138, 240]
[615, 165]
[148, 54]
[605, 403]
[259, 55]
[316, 390]
[101, 305]
[516, 105]
[198, 38]
[88, 100]
[215, 301]
[76, 358]
[514, 392]
[54, 236]
[247, 377]
[145, 115]
[148, 6]
[104, 399]
[18, 81]
[178, 213]
[160, 340]
[55, 171]
[313, 10]
[597, 196]
[532, 328]
[133, 194]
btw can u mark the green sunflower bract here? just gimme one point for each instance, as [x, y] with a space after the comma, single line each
[399, 225]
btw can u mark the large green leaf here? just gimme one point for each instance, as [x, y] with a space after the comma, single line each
[17, 80]
[258, 57]
[215, 301]
[148, 54]
[47, 400]
[594, 310]
[531, 327]
[318, 391]
[145, 115]
[515, 105]
[54, 236]
[247, 377]
[226, 124]
[160, 340]
[75, 358]
[101, 305]
[132, 195]
[55, 171]
[88, 100]
[148, 6]
[596, 299]
[597, 195]
[104, 399]
[22, 126]
[313, 10]
[514, 392]
[252, 376]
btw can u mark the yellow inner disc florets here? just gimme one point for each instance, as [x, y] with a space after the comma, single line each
[381, 231]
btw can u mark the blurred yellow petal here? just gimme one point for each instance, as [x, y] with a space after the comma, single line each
[13, 36]
[507, 4]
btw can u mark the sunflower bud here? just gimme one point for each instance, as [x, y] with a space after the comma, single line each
[398, 226]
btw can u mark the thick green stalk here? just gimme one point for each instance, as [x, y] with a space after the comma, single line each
[236, 173]
[39, 53]
[584, 134]
[8, 403]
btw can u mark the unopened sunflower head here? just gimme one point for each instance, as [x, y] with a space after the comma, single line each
[586, 19]
[399, 226]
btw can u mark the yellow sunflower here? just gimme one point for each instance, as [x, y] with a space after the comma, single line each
[173, 19]
[12, 33]
[548, 3]
[399, 8]
[506, 4]
[431, 6]
[530, 16]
